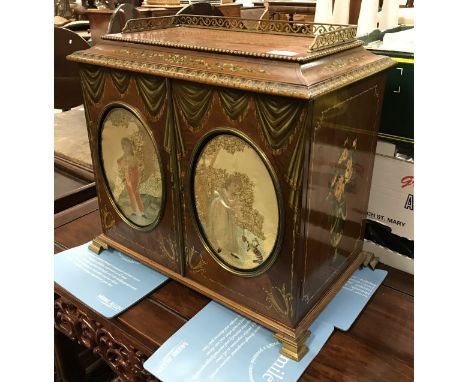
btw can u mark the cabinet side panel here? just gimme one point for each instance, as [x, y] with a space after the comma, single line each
[344, 137]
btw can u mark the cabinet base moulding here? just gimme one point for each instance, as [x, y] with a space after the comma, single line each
[292, 339]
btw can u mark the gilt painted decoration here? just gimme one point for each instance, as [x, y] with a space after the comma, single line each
[341, 181]
[131, 167]
[236, 202]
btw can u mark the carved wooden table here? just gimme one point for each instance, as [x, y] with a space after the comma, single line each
[378, 347]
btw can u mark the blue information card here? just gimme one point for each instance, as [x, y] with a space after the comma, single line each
[109, 282]
[222, 346]
[345, 307]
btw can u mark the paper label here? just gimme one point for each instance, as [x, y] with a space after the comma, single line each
[222, 346]
[109, 282]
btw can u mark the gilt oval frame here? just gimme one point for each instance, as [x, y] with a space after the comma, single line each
[197, 152]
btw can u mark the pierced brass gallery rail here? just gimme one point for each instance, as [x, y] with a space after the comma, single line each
[324, 35]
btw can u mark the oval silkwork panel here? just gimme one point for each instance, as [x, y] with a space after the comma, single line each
[131, 168]
[236, 202]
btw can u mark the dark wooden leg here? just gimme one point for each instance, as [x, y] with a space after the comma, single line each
[293, 348]
[67, 363]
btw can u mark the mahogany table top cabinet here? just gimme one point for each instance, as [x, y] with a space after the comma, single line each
[235, 156]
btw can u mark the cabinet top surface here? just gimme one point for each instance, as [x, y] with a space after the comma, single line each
[277, 40]
[248, 43]
[299, 60]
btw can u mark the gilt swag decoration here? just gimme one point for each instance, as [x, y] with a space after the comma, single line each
[278, 117]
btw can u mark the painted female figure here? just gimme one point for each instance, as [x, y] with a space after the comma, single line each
[130, 173]
[221, 219]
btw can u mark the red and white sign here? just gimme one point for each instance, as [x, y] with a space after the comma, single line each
[391, 199]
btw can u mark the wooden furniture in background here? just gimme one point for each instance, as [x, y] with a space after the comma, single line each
[73, 173]
[158, 11]
[67, 87]
[208, 9]
[228, 9]
[80, 27]
[354, 9]
[71, 145]
[62, 8]
[256, 12]
[289, 8]
[98, 23]
[103, 21]
[119, 18]
[100, 18]
[70, 190]
[202, 8]
[378, 346]
[162, 3]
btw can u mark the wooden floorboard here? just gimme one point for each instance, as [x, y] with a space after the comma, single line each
[398, 280]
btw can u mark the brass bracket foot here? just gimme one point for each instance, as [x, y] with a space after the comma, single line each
[97, 246]
[293, 348]
[370, 260]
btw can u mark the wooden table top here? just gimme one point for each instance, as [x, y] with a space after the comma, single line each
[378, 347]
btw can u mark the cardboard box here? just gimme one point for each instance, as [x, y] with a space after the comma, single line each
[389, 257]
[385, 148]
[391, 200]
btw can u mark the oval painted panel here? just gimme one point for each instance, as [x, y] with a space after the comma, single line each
[236, 202]
[131, 167]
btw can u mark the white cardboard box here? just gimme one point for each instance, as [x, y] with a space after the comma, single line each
[389, 257]
[391, 200]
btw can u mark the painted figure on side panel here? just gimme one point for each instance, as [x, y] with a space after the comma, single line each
[342, 179]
